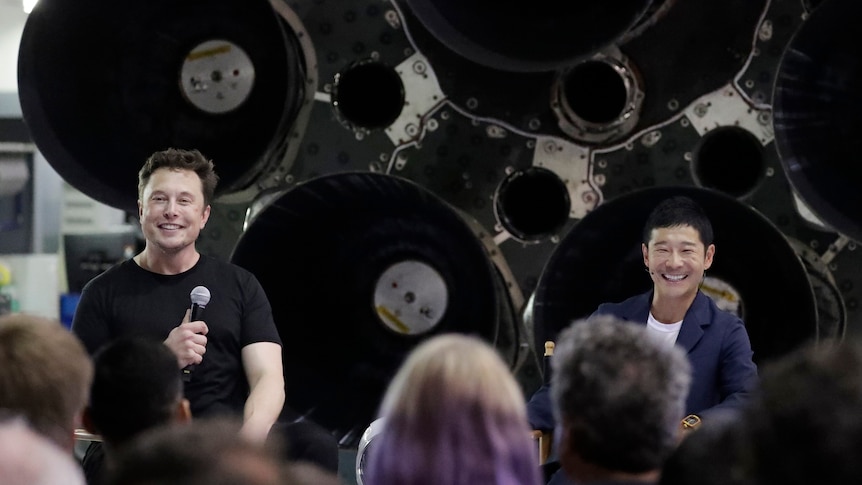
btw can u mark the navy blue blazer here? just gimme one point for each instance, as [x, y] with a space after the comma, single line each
[718, 348]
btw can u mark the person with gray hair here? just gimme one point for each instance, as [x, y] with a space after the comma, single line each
[619, 397]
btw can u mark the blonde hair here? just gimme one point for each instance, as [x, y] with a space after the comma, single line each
[458, 366]
[455, 415]
[46, 374]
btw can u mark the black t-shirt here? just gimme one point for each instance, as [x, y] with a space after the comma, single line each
[93, 463]
[128, 300]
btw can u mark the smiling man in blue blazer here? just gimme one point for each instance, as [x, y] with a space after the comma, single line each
[677, 250]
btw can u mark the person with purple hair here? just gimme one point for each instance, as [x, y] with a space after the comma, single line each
[454, 415]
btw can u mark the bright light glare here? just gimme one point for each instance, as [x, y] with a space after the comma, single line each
[28, 5]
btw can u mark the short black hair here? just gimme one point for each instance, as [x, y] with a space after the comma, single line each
[804, 420]
[137, 386]
[207, 451]
[679, 211]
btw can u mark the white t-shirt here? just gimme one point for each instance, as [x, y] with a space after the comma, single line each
[663, 333]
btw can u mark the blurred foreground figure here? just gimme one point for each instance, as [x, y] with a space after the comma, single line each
[208, 452]
[26, 458]
[806, 422]
[454, 416]
[619, 397]
[45, 375]
[136, 387]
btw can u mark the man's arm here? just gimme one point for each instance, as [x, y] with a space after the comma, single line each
[738, 373]
[539, 409]
[89, 322]
[265, 374]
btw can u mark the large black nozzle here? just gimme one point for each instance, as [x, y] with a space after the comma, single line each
[600, 260]
[359, 269]
[105, 84]
[818, 92]
[520, 37]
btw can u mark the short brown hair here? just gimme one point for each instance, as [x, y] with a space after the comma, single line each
[46, 374]
[177, 159]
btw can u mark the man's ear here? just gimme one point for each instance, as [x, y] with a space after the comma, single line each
[710, 253]
[205, 216]
[183, 411]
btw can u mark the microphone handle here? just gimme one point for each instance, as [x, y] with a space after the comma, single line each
[196, 313]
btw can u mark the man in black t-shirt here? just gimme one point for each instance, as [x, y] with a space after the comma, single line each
[234, 349]
[148, 295]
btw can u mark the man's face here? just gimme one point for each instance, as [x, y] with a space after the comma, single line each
[171, 209]
[676, 259]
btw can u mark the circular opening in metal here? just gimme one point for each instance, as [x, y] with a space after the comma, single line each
[532, 203]
[731, 160]
[410, 297]
[595, 92]
[369, 95]
[217, 76]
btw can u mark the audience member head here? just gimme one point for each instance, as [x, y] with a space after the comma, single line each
[806, 419]
[46, 375]
[717, 453]
[454, 415]
[619, 397]
[27, 458]
[205, 452]
[679, 211]
[136, 386]
[176, 159]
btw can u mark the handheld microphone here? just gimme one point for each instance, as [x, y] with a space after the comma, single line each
[200, 296]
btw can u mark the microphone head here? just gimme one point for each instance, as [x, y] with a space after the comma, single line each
[200, 296]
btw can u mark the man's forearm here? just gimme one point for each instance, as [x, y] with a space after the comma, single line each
[263, 406]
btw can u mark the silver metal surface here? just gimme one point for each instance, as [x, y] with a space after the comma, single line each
[726, 107]
[422, 95]
[217, 76]
[371, 432]
[571, 162]
[410, 297]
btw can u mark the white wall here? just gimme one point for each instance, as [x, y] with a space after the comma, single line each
[40, 277]
[12, 19]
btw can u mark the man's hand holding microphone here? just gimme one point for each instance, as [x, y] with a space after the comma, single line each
[188, 341]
